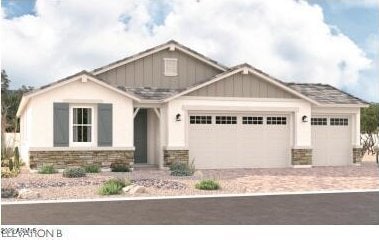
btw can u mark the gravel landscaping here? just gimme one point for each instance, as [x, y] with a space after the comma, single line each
[160, 183]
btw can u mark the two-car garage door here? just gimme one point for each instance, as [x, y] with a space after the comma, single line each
[246, 140]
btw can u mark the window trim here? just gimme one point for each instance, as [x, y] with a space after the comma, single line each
[93, 126]
[166, 72]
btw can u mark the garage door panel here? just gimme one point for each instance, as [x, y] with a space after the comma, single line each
[332, 143]
[239, 145]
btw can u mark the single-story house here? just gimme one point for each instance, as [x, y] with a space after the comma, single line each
[171, 103]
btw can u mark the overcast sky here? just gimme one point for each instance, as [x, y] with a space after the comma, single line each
[334, 42]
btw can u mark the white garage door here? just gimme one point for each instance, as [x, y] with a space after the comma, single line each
[331, 140]
[239, 140]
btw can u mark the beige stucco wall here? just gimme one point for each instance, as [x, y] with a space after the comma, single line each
[40, 135]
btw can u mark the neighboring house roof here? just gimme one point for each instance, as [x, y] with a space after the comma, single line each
[169, 44]
[325, 94]
[66, 80]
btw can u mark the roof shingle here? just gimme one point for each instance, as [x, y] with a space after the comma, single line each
[325, 94]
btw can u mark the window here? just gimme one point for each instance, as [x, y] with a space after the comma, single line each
[276, 120]
[170, 67]
[319, 121]
[252, 120]
[200, 120]
[226, 120]
[82, 124]
[339, 121]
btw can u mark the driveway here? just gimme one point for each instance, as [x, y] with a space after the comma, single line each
[330, 208]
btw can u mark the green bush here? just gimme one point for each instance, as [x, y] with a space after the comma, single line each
[181, 169]
[6, 173]
[112, 187]
[74, 172]
[120, 168]
[8, 192]
[47, 169]
[92, 168]
[207, 185]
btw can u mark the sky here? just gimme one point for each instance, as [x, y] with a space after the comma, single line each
[333, 42]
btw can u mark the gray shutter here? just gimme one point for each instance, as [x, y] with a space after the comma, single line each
[104, 124]
[61, 124]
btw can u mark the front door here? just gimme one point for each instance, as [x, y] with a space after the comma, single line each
[140, 137]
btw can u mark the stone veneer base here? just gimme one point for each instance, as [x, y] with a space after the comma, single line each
[63, 159]
[301, 156]
[172, 156]
[357, 155]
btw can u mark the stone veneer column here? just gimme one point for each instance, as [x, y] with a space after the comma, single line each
[357, 155]
[301, 156]
[63, 159]
[172, 156]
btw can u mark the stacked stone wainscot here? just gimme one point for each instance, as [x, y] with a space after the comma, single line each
[172, 156]
[301, 156]
[63, 159]
[357, 155]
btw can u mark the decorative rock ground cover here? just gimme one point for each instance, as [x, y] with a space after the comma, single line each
[160, 183]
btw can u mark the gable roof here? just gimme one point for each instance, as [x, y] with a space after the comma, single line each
[318, 94]
[170, 44]
[325, 94]
[237, 69]
[75, 77]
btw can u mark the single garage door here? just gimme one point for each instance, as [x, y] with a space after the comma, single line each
[331, 140]
[250, 140]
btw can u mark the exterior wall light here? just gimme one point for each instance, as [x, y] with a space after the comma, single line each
[304, 119]
[178, 117]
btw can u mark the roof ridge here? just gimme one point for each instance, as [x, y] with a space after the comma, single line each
[172, 41]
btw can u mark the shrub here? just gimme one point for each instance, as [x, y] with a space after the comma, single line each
[74, 172]
[181, 169]
[6, 173]
[47, 169]
[10, 164]
[120, 168]
[8, 192]
[112, 187]
[6, 153]
[16, 158]
[92, 168]
[207, 185]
